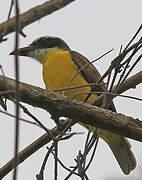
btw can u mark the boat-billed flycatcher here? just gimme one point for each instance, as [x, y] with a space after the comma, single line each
[60, 64]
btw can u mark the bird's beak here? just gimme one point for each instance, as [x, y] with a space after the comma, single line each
[23, 51]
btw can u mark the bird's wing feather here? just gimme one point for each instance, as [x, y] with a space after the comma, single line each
[89, 72]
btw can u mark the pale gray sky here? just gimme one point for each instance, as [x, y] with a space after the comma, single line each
[91, 28]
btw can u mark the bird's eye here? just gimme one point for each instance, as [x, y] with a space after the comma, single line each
[43, 40]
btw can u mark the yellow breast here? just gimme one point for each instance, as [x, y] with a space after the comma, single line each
[58, 70]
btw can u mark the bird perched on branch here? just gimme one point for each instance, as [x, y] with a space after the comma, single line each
[64, 68]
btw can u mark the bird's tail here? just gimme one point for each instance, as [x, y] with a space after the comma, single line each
[121, 149]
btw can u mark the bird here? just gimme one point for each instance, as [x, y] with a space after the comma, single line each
[64, 67]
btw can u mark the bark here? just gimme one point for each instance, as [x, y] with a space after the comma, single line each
[61, 106]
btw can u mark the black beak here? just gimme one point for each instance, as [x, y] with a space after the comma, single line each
[23, 51]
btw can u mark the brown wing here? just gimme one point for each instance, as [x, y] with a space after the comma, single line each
[89, 72]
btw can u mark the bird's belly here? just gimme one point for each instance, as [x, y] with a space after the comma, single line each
[58, 74]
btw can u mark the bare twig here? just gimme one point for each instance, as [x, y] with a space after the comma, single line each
[116, 62]
[139, 29]
[17, 95]
[73, 87]
[2, 100]
[132, 67]
[60, 162]
[113, 95]
[95, 147]
[9, 14]
[21, 119]
[40, 176]
[85, 148]
[36, 120]
[2, 70]
[56, 162]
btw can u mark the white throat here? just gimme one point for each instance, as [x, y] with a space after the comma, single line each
[40, 54]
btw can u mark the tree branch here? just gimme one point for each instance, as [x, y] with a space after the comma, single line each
[33, 15]
[85, 113]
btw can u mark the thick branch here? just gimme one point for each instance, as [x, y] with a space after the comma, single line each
[33, 15]
[85, 113]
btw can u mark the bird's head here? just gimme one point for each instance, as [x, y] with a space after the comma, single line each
[41, 47]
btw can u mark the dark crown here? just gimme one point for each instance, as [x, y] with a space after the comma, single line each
[49, 42]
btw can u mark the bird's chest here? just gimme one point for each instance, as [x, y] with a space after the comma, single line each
[58, 71]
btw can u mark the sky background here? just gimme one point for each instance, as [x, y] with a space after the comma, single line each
[91, 28]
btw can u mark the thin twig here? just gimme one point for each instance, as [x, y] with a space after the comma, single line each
[122, 78]
[118, 60]
[71, 173]
[69, 125]
[2, 70]
[17, 95]
[21, 119]
[132, 67]
[73, 87]
[135, 35]
[37, 121]
[86, 146]
[60, 162]
[56, 161]
[40, 176]
[93, 154]
[9, 14]
[113, 95]
[25, 110]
